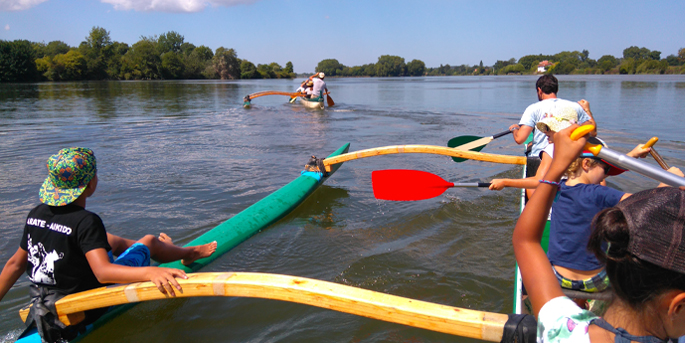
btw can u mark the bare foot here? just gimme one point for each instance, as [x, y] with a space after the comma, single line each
[199, 252]
[163, 237]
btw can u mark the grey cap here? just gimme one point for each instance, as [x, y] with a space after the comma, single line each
[656, 221]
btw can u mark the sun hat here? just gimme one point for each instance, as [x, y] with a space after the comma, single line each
[557, 119]
[656, 221]
[322, 75]
[310, 83]
[69, 171]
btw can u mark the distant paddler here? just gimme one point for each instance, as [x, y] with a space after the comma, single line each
[319, 86]
[304, 90]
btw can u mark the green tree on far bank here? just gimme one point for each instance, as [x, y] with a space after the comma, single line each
[416, 68]
[388, 65]
[226, 63]
[17, 61]
[330, 67]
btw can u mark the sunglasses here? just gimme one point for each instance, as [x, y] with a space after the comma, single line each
[605, 167]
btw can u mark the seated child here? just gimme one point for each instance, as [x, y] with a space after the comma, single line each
[65, 248]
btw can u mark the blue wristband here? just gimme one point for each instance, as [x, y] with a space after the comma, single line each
[550, 182]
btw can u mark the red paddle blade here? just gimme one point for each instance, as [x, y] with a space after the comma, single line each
[407, 185]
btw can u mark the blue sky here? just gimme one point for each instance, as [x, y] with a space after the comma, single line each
[358, 32]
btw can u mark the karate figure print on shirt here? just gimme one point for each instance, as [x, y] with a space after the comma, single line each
[43, 262]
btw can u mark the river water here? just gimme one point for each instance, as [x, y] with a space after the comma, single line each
[183, 156]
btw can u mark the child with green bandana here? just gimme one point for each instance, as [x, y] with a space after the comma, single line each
[65, 248]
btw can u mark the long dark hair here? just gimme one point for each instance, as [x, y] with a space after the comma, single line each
[633, 280]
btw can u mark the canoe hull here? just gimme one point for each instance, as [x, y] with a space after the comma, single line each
[235, 230]
[316, 105]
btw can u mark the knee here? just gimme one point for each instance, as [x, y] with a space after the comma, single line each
[148, 240]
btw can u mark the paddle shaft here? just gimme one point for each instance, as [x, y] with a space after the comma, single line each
[640, 167]
[650, 143]
[471, 184]
[624, 161]
[482, 141]
[658, 159]
[441, 318]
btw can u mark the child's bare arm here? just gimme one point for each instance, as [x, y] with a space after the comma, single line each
[639, 152]
[14, 267]
[106, 272]
[520, 132]
[540, 281]
[672, 170]
[499, 184]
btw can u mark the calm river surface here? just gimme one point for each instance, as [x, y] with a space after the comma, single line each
[182, 157]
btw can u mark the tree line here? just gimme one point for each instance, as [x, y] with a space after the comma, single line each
[634, 61]
[167, 56]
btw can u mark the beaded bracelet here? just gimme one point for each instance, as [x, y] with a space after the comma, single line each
[550, 182]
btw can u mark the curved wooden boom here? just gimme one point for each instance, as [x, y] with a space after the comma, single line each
[424, 149]
[390, 308]
[263, 93]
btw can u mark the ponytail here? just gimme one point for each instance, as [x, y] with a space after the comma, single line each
[633, 280]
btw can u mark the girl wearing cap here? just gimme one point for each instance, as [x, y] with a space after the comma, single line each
[645, 262]
[578, 200]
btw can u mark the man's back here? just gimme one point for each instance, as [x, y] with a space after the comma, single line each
[319, 86]
[535, 112]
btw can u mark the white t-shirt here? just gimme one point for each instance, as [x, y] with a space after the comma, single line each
[319, 86]
[549, 149]
[535, 112]
[561, 320]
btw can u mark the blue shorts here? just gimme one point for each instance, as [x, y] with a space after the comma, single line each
[137, 255]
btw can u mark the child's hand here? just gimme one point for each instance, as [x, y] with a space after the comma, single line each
[639, 152]
[165, 278]
[676, 171]
[585, 105]
[496, 185]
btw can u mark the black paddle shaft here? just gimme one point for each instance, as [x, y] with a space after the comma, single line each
[502, 134]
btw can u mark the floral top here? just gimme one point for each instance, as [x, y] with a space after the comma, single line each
[561, 320]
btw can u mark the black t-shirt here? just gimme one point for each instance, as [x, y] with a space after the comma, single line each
[57, 240]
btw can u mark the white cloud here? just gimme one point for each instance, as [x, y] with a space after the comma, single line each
[7, 27]
[18, 5]
[171, 5]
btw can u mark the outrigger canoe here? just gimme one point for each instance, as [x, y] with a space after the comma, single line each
[235, 230]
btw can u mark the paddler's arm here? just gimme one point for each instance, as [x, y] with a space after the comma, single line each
[520, 132]
[527, 183]
[536, 270]
[586, 107]
[106, 272]
[13, 269]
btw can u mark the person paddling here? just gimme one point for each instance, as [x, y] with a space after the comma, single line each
[319, 86]
[65, 248]
[640, 241]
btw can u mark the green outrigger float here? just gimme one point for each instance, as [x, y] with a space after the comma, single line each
[235, 230]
